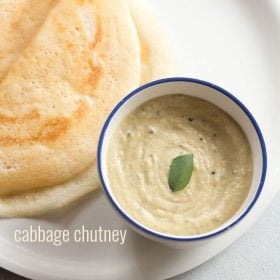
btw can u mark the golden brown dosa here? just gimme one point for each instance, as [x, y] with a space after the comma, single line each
[32, 203]
[56, 96]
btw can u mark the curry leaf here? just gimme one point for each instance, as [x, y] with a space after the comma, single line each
[180, 172]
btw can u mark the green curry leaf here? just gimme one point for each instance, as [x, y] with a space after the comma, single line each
[180, 172]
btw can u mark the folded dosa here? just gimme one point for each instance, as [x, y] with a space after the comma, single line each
[30, 203]
[55, 97]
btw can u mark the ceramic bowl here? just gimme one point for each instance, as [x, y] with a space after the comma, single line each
[222, 99]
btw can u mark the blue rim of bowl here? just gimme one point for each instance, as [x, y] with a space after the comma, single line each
[150, 231]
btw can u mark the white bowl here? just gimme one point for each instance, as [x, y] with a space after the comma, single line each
[222, 99]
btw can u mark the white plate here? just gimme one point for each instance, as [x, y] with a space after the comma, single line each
[232, 43]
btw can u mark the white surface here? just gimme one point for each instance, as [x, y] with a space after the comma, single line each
[256, 255]
[233, 43]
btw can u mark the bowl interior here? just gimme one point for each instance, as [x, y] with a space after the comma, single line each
[205, 91]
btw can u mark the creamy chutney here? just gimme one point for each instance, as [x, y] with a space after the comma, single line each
[143, 146]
